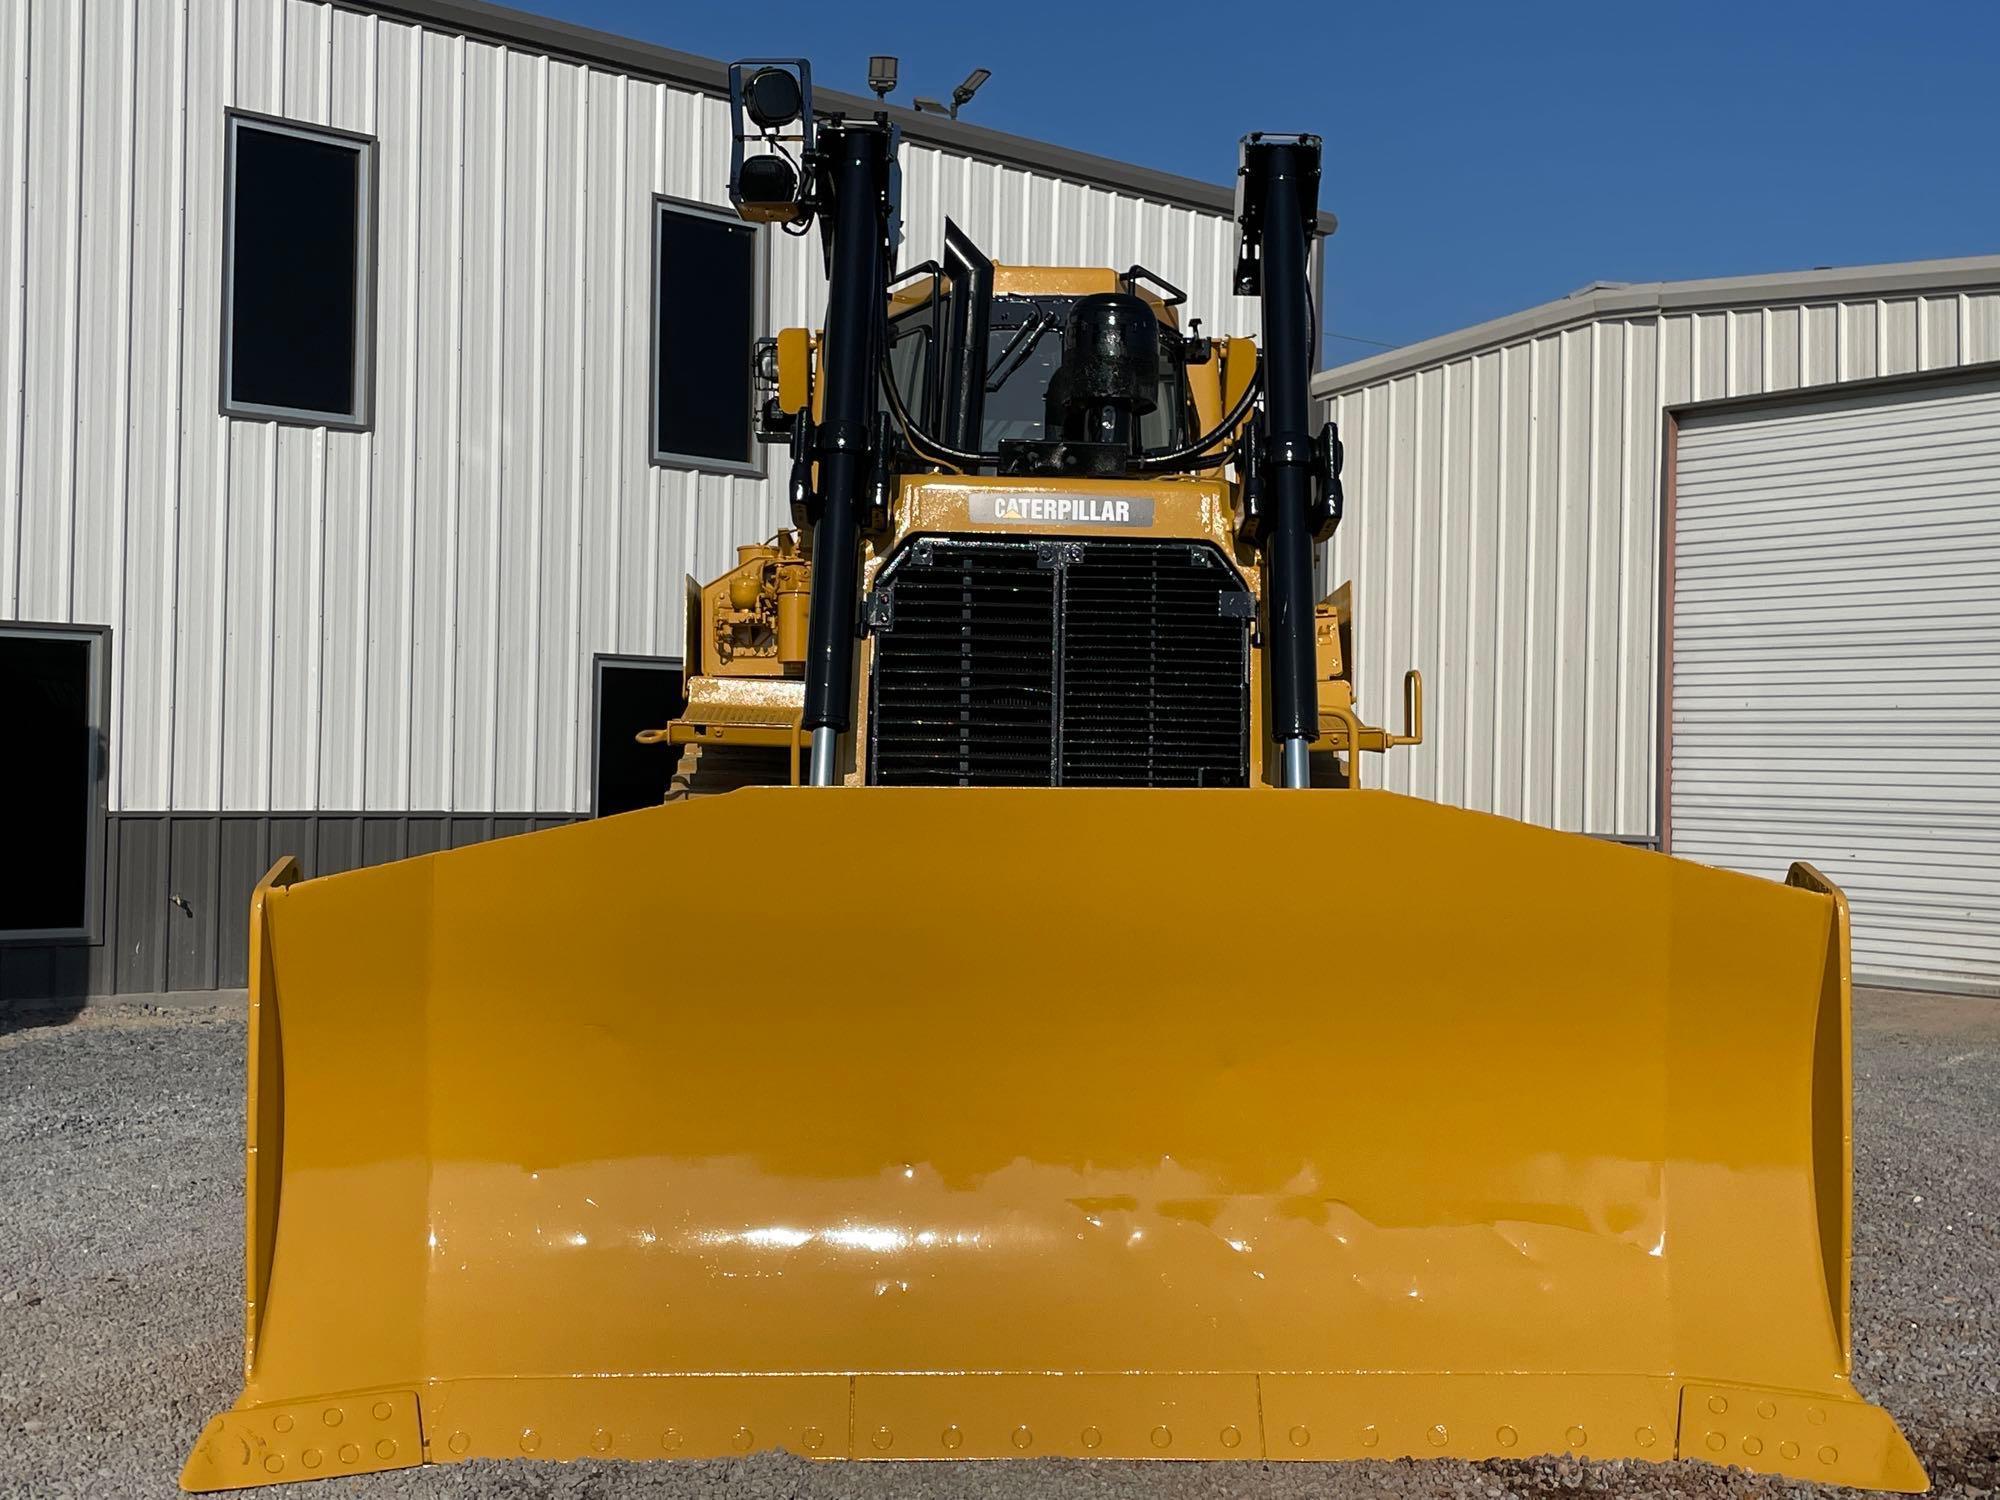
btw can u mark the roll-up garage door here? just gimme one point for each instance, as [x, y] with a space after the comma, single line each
[1835, 662]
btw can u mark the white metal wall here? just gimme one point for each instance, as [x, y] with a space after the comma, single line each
[401, 619]
[1836, 663]
[1503, 526]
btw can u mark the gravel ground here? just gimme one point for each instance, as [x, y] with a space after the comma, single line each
[120, 1266]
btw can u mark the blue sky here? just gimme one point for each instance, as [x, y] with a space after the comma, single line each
[1482, 157]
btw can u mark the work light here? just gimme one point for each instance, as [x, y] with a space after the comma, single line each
[771, 124]
[772, 98]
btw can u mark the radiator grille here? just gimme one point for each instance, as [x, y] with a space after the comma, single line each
[1050, 663]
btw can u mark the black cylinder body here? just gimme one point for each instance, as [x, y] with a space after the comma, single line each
[1111, 368]
[854, 309]
[1288, 542]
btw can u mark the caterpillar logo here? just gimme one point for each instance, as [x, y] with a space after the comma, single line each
[1063, 510]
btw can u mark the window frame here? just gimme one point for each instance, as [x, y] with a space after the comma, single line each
[757, 464]
[594, 729]
[367, 235]
[98, 638]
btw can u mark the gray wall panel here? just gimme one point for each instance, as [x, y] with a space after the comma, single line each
[384, 839]
[24, 973]
[296, 834]
[244, 846]
[140, 963]
[193, 896]
[339, 845]
[465, 831]
[43, 975]
[101, 960]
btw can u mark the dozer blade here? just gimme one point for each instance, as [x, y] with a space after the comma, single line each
[965, 1123]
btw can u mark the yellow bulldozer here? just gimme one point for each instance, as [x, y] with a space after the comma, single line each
[1018, 1035]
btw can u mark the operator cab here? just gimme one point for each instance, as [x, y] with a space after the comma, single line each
[1082, 371]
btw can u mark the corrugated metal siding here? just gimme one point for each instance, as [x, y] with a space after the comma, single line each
[1836, 663]
[1503, 526]
[402, 618]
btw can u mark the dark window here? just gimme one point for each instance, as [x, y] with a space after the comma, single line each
[634, 694]
[704, 337]
[1171, 422]
[1024, 349]
[1026, 359]
[295, 306]
[48, 781]
[910, 364]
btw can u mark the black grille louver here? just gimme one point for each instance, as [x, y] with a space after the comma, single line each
[1039, 662]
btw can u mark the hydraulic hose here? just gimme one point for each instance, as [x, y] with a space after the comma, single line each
[1190, 455]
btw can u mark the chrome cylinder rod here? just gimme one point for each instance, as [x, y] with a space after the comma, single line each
[1298, 762]
[825, 756]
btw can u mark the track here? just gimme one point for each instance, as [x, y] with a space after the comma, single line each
[120, 1268]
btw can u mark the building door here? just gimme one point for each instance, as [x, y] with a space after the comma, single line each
[51, 756]
[633, 693]
[1834, 661]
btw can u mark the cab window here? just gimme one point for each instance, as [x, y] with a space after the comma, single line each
[1024, 349]
[912, 337]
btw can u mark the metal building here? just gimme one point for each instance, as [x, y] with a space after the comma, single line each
[1713, 566]
[374, 601]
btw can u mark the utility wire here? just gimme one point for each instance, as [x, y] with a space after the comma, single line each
[1355, 338]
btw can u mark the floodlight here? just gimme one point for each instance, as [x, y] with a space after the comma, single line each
[964, 92]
